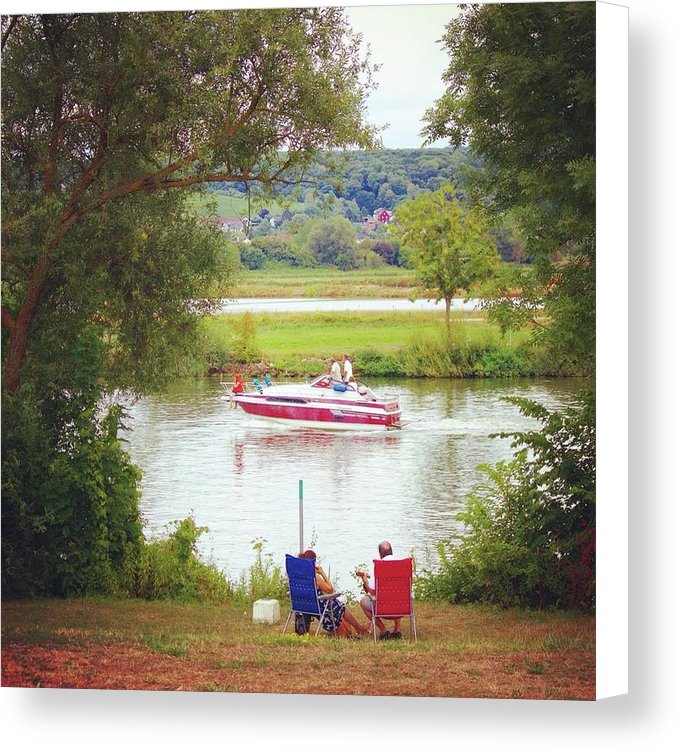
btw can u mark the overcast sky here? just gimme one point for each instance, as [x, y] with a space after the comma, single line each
[404, 41]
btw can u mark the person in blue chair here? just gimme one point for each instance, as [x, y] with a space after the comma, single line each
[340, 613]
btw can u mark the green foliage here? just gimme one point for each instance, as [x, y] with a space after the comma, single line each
[333, 242]
[70, 495]
[354, 184]
[448, 244]
[244, 346]
[530, 530]
[280, 250]
[251, 256]
[372, 364]
[264, 579]
[521, 94]
[170, 569]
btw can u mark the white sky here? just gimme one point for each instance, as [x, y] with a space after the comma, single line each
[404, 40]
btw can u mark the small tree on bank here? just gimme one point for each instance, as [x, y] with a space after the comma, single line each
[449, 244]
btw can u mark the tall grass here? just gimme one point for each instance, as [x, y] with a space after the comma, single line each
[169, 568]
[384, 344]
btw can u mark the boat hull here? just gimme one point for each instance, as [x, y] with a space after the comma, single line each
[326, 416]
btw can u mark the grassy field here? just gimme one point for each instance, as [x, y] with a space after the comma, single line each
[218, 204]
[386, 282]
[288, 341]
[469, 651]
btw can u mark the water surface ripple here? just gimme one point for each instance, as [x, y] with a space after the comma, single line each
[239, 476]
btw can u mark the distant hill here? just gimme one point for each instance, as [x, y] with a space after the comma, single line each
[353, 184]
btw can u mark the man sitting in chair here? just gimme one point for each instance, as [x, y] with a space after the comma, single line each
[367, 602]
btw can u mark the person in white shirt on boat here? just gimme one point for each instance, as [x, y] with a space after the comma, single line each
[367, 602]
[335, 369]
[348, 369]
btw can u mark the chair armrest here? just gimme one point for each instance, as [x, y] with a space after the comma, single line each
[325, 597]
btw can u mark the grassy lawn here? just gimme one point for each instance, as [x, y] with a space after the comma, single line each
[218, 204]
[469, 651]
[376, 283]
[293, 335]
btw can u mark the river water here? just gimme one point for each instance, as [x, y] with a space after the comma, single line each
[239, 476]
[294, 304]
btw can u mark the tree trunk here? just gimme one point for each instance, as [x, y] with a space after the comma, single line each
[19, 329]
[448, 306]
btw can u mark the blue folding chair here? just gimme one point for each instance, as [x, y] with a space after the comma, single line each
[304, 596]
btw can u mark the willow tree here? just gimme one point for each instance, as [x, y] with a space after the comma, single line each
[448, 243]
[109, 123]
[103, 111]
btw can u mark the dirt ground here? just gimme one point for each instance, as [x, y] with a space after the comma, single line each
[461, 652]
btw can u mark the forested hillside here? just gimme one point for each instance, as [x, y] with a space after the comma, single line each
[356, 183]
[342, 199]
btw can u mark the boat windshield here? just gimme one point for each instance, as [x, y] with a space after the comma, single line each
[327, 381]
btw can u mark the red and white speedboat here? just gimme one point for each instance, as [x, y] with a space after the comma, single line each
[324, 403]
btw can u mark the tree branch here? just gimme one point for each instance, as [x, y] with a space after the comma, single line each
[8, 31]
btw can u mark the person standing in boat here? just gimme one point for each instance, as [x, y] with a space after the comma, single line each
[335, 370]
[348, 369]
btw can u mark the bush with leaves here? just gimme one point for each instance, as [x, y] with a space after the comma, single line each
[530, 531]
[263, 580]
[170, 569]
[70, 496]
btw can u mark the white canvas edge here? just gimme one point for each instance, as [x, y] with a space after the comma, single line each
[612, 350]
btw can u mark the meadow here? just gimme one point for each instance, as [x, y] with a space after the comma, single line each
[384, 282]
[391, 343]
[469, 651]
[220, 204]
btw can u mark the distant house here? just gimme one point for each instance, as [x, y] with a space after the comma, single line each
[382, 215]
[229, 225]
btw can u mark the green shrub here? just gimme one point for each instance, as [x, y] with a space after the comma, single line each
[70, 495]
[170, 569]
[371, 364]
[263, 580]
[530, 530]
[244, 346]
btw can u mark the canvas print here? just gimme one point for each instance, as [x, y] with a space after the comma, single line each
[298, 350]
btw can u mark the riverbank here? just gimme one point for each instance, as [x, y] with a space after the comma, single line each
[385, 282]
[469, 651]
[383, 344]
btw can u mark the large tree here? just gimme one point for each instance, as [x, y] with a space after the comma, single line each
[448, 243]
[103, 111]
[108, 122]
[521, 94]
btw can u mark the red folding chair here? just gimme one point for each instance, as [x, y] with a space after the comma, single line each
[393, 597]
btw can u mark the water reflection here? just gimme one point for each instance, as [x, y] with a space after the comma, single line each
[239, 476]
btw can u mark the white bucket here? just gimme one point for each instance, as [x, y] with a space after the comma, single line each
[266, 611]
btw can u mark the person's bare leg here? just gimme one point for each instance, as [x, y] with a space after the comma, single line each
[368, 613]
[350, 619]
